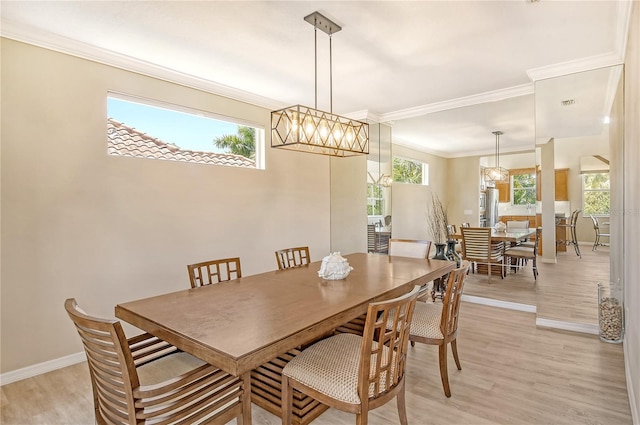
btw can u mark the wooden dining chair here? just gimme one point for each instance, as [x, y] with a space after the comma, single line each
[147, 380]
[437, 323]
[522, 254]
[292, 257]
[409, 248]
[477, 247]
[356, 373]
[214, 271]
[517, 224]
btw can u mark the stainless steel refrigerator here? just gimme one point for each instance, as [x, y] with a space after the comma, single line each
[491, 206]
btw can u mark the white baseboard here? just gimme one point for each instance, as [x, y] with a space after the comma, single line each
[501, 304]
[568, 326]
[40, 368]
[635, 414]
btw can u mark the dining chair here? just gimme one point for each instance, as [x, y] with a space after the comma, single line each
[599, 234]
[571, 225]
[356, 373]
[144, 379]
[214, 271]
[465, 225]
[292, 257]
[409, 248]
[477, 247]
[524, 253]
[517, 224]
[371, 238]
[437, 323]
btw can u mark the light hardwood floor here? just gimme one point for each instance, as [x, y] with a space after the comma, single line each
[565, 291]
[512, 373]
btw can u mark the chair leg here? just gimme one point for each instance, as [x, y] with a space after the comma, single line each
[362, 418]
[535, 268]
[444, 376]
[454, 350]
[402, 407]
[287, 401]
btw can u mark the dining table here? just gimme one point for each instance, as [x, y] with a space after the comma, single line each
[243, 324]
[508, 237]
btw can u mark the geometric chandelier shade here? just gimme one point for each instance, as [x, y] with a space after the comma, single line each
[311, 130]
[497, 174]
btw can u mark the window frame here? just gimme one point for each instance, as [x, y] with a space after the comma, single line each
[583, 175]
[424, 172]
[531, 189]
[260, 131]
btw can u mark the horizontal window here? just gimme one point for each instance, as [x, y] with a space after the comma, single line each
[161, 131]
[410, 171]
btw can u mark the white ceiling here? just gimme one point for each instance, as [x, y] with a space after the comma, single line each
[444, 73]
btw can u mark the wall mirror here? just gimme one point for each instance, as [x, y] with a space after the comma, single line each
[579, 130]
[379, 179]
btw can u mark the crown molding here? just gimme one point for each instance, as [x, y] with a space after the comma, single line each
[571, 67]
[622, 27]
[47, 40]
[492, 96]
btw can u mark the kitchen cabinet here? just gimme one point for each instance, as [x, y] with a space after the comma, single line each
[561, 184]
[504, 192]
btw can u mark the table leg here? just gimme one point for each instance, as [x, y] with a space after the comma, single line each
[245, 419]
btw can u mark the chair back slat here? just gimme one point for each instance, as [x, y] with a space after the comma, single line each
[384, 345]
[292, 257]
[214, 271]
[476, 243]
[111, 367]
[451, 300]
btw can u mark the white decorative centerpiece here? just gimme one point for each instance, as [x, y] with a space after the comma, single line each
[334, 267]
[500, 227]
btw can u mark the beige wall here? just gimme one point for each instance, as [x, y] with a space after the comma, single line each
[463, 190]
[410, 202]
[632, 212]
[79, 223]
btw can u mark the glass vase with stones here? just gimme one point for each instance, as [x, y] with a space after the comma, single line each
[610, 312]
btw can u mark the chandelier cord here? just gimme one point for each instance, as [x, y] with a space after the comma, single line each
[497, 151]
[330, 76]
[315, 51]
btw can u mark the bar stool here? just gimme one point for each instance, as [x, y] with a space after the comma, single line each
[572, 227]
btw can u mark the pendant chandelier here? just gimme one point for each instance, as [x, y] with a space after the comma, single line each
[497, 174]
[312, 130]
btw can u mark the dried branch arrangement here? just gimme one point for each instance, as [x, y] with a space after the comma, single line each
[437, 220]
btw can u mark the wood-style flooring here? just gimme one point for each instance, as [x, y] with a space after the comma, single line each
[565, 291]
[512, 373]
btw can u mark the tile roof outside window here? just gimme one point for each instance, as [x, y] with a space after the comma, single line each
[126, 141]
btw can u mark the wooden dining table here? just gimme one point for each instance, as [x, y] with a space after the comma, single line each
[244, 323]
[509, 235]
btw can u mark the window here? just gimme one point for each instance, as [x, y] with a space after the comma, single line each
[596, 198]
[153, 130]
[523, 188]
[375, 199]
[410, 171]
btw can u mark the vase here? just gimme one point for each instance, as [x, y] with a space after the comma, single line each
[440, 252]
[451, 254]
[610, 312]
